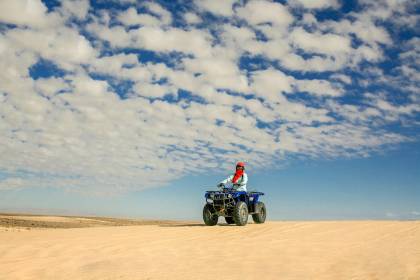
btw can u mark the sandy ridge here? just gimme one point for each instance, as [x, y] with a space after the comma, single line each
[27, 221]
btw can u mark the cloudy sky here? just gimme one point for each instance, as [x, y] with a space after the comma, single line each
[146, 99]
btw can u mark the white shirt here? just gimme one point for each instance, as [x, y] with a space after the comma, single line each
[242, 181]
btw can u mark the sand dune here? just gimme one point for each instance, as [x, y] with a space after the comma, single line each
[21, 221]
[275, 250]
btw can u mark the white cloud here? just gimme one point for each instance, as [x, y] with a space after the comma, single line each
[54, 44]
[190, 42]
[237, 35]
[316, 4]
[51, 86]
[327, 52]
[77, 8]
[319, 87]
[153, 90]
[86, 86]
[74, 131]
[219, 72]
[342, 78]
[393, 112]
[309, 18]
[114, 65]
[131, 17]
[23, 12]
[410, 58]
[330, 44]
[220, 7]
[164, 15]
[270, 83]
[116, 35]
[192, 18]
[355, 114]
[363, 28]
[260, 12]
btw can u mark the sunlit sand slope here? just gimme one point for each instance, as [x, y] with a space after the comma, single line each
[275, 250]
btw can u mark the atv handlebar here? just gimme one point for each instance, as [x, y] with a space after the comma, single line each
[223, 186]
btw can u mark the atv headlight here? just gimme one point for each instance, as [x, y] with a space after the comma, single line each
[229, 195]
[209, 200]
[251, 198]
[212, 195]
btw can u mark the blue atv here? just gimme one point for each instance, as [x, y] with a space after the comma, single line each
[234, 205]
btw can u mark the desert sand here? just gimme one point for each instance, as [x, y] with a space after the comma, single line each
[126, 249]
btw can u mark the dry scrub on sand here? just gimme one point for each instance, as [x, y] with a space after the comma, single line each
[164, 250]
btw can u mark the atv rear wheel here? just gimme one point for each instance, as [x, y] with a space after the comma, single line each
[261, 213]
[209, 215]
[240, 213]
[229, 220]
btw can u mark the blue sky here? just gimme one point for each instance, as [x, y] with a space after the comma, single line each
[135, 108]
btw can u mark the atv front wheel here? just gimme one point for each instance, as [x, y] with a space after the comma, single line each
[209, 216]
[229, 220]
[261, 213]
[240, 213]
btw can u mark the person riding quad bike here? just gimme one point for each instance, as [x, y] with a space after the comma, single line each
[234, 203]
[238, 180]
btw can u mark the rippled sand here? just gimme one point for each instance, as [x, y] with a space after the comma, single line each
[173, 250]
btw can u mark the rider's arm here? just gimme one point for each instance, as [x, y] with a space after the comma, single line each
[227, 180]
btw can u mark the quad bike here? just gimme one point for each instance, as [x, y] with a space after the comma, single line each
[234, 205]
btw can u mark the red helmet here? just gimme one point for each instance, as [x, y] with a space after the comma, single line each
[241, 164]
